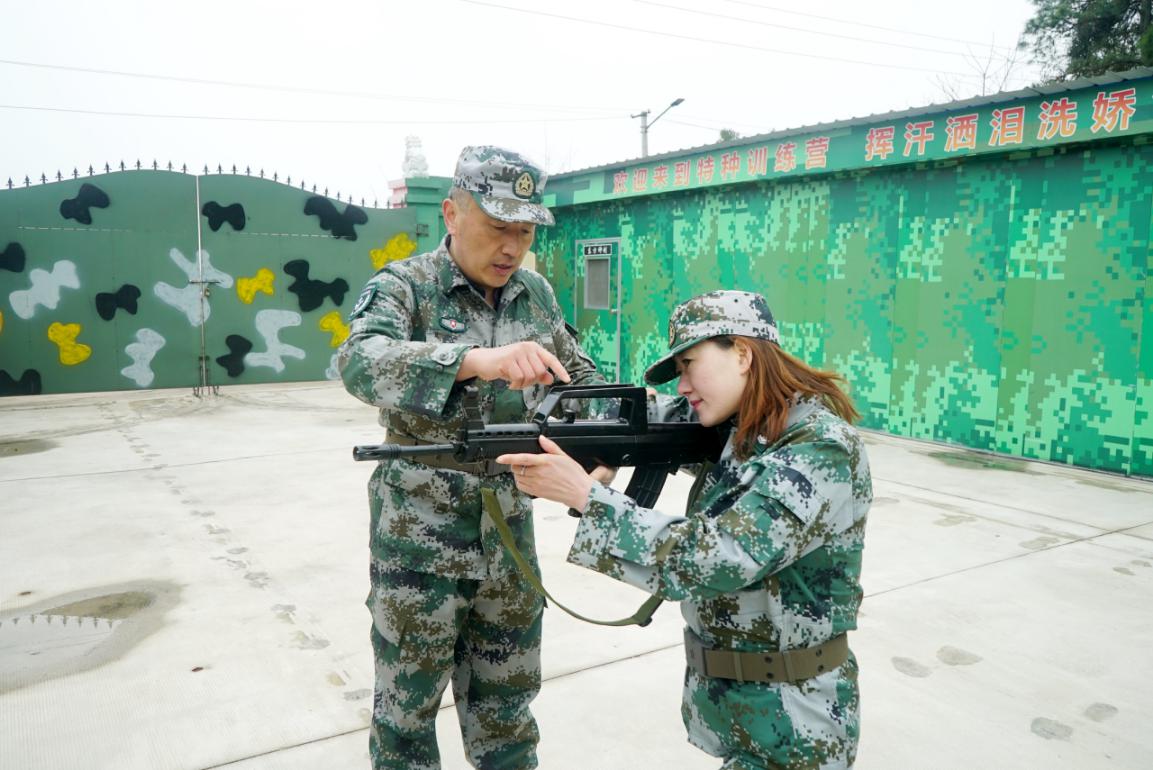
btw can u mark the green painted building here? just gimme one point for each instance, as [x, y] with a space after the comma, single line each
[978, 271]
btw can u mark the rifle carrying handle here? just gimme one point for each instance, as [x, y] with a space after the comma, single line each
[635, 397]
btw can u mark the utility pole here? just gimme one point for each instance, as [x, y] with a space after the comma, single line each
[644, 116]
[646, 125]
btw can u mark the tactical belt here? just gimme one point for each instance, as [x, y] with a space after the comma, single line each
[772, 667]
[482, 468]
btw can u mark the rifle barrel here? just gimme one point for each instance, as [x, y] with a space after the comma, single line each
[393, 451]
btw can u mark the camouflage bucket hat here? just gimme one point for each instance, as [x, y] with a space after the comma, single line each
[506, 185]
[716, 314]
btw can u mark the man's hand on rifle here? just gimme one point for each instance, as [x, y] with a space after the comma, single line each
[552, 475]
[522, 364]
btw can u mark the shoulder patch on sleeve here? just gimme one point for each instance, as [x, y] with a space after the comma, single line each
[363, 301]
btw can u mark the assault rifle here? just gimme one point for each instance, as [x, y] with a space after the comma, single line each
[656, 449]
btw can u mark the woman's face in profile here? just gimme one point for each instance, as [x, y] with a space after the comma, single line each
[713, 379]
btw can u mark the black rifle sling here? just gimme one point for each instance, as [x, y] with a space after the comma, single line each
[644, 487]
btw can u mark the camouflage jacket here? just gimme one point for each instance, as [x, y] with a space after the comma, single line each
[767, 558]
[409, 331]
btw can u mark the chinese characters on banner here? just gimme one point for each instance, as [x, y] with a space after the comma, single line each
[879, 143]
[1112, 111]
[786, 156]
[961, 132]
[816, 152]
[924, 137]
[917, 135]
[1058, 117]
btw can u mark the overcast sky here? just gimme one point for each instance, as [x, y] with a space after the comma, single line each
[328, 92]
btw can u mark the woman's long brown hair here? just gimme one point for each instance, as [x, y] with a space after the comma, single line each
[775, 379]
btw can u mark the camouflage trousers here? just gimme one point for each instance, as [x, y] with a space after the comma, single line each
[483, 636]
[810, 725]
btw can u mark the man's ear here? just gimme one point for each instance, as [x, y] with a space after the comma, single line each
[450, 212]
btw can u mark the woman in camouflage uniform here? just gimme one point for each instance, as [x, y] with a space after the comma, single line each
[767, 561]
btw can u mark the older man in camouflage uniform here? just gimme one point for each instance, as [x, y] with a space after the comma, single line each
[447, 602]
[766, 562]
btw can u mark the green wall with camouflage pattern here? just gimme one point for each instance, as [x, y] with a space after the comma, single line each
[994, 300]
[157, 279]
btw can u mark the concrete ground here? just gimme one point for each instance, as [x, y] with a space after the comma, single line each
[182, 584]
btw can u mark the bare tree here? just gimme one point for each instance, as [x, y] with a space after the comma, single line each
[993, 70]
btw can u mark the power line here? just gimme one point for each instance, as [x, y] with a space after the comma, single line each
[301, 89]
[758, 127]
[404, 121]
[324, 121]
[863, 24]
[702, 126]
[747, 20]
[710, 40]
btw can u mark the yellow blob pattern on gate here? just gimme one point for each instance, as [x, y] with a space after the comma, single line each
[246, 288]
[399, 246]
[334, 324]
[71, 351]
